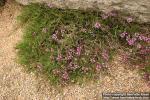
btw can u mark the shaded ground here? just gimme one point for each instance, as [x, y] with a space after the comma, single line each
[16, 84]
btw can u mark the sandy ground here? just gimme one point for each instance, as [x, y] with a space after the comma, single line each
[17, 84]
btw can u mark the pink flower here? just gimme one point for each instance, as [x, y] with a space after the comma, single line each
[144, 38]
[98, 67]
[65, 75]
[97, 25]
[129, 19]
[141, 37]
[72, 66]
[145, 51]
[70, 54]
[59, 57]
[105, 55]
[122, 35]
[54, 36]
[78, 50]
[131, 41]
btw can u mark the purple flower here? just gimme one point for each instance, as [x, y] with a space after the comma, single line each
[54, 37]
[72, 66]
[131, 41]
[129, 19]
[97, 25]
[105, 55]
[144, 38]
[98, 67]
[145, 51]
[65, 75]
[59, 57]
[78, 52]
[141, 37]
[70, 54]
[147, 39]
[122, 35]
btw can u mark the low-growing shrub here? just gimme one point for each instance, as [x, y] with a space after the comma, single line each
[75, 45]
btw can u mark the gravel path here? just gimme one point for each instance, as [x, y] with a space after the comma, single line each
[17, 84]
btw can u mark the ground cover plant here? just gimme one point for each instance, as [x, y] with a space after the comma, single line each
[70, 46]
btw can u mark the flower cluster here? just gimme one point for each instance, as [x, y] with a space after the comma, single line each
[70, 53]
[131, 41]
[98, 67]
[54, 37]
[72, 67]
[145, 50]
[78, 51]
[59, 57]
[65, 75]
[97, 25]
[71, 46]
[122, 35]
[129, 19]
[144, 38]
[105, 55]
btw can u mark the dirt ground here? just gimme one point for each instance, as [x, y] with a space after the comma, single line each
[17, 84]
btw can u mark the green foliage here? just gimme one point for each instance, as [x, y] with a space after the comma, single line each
[70, 45]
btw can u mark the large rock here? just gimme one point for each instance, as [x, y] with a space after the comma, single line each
[138, 8]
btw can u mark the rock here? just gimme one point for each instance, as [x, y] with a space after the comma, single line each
[138, 8]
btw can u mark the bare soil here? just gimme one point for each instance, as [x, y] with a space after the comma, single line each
[17, 84]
